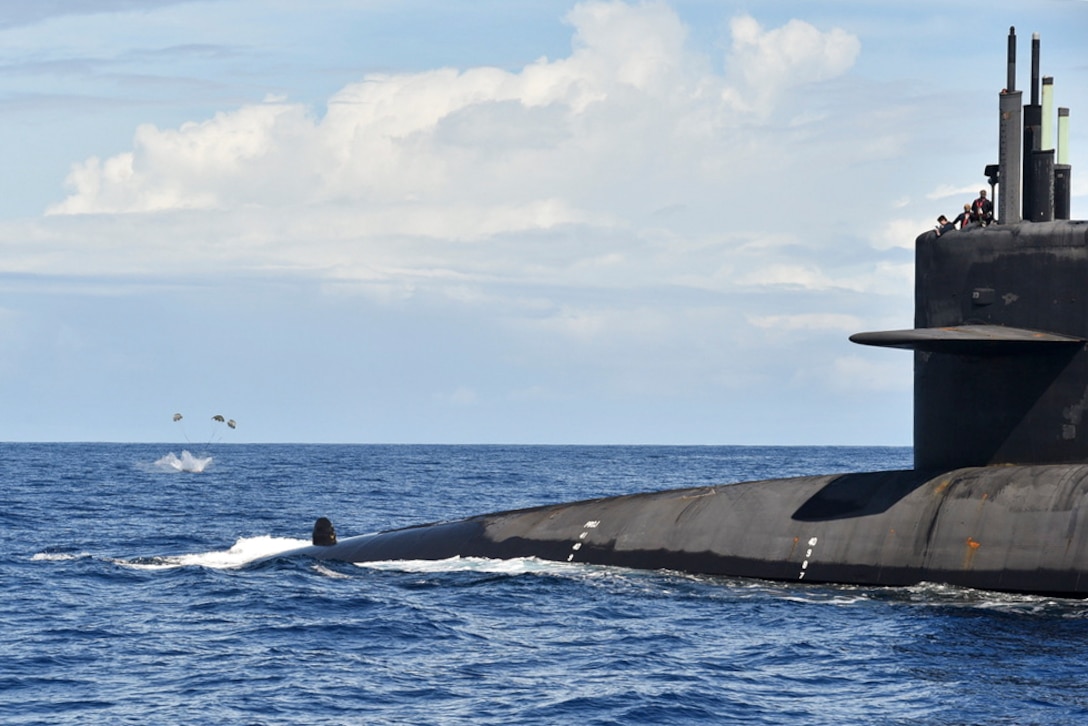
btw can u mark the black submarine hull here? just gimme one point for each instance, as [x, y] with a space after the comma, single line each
[1008, 528]
[996, 499]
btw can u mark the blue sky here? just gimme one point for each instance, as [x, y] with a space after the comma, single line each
[515, 221]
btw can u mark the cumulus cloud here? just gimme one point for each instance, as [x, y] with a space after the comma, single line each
[467, 184]
[770, 62]
[260, 154]
[585, 198]
[631, 102]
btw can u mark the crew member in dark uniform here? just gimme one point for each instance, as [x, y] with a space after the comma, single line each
[964, 218]
[983, 209]
[943, 225]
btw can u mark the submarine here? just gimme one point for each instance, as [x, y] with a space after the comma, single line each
[997, 498]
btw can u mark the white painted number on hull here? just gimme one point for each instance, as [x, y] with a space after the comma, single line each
[808, 556]
[591, 524]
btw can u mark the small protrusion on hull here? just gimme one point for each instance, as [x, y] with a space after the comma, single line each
[324, 533]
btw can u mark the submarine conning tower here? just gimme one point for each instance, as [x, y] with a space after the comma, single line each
[1001, 311]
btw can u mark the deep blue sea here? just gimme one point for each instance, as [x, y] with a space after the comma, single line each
[137, 590]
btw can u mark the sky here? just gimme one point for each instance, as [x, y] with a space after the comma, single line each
[498, 221]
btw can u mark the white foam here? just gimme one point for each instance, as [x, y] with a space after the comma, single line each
[58, 556]
[929, 594]
[244, 551]
[515, 566]
[826, 599]
[185, 463]
[321, 569]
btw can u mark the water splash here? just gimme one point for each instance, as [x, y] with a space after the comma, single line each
[186, 462]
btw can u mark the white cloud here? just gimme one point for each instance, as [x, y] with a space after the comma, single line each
[769, 62]
[616, 212]
[261, 154]
[629, 96]
[647, 208]
[638, 46]
[454, 181]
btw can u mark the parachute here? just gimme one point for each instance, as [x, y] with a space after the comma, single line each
[218, 418]
[188, 462]
[221, 419]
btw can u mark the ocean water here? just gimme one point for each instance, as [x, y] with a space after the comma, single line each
[136, 589]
